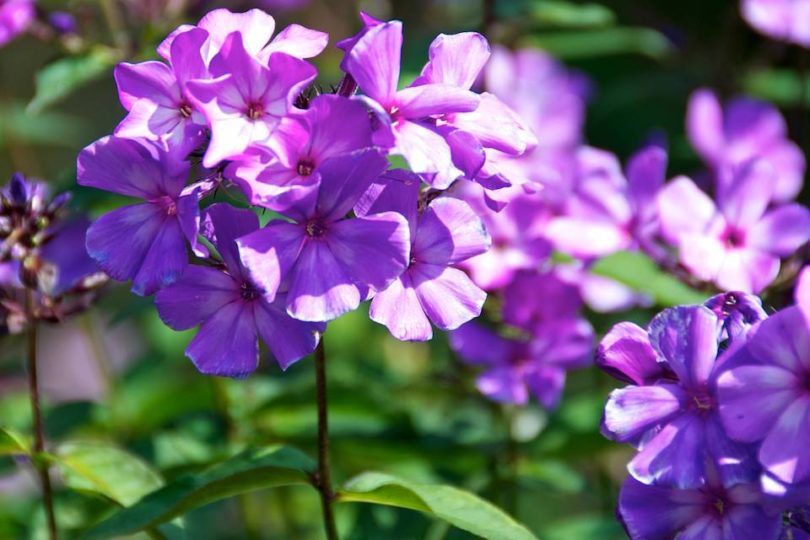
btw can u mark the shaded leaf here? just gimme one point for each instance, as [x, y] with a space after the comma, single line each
[248, 471]
[459, 508]
[641, 274]
[13, 443]
[780, 86]
[602, 42]
[569, 14]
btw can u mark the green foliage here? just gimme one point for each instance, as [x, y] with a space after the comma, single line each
[781, 86]
[580, 44]
[13, 443]
[571, 15]
[459, 508]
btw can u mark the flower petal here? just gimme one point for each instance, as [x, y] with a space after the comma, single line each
[449, 232]
[784, 451]
[675, 456]
[226, 344]
[634, 410]
[416, 102]
[288, 339]
[684, 208]
[374, 61]
[270, 253]
[153, 81]
[456, 59]
[398, 309]
[625, 352]
[199, 293]
[448, 296]
[782, 230]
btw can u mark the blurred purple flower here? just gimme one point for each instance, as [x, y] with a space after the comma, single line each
[728, 139]
[737, 242]
[15, 16]
[144, 242]
[784, 20]
[330, 263]
[63, 22]
[231, 308]
[764, 394]
[536, 298]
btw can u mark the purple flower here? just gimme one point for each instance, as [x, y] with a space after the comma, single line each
[536, 298]
[802, 293]
[737, 242]
[785, 20]
[145, 242]
[670, 410]
[608, 212]
[514, 368]
[747, 129]
[406, 115]
[738, 311]
[329, 262]
[764, 394]
[286, 169]
[15, 16]
[247, 99]
[430, 289]
[231, 308]
[707, 512]
[157, 98]
[66, 256]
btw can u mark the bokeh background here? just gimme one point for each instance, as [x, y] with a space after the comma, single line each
[117, 374]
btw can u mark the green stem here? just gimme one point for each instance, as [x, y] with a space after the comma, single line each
[324, 479]
[39, 431]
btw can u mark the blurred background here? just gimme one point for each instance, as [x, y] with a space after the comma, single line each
[117, 374]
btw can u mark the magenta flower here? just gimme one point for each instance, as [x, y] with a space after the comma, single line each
[670, 410]
[764, 394]
[710, 511]
[430, 289]
[246, 100]
[515, 368]
[608, 212]
[231, 309]
[729, 138]
[737, 242]
[802, 292]
[145, 242]
[157, 97]
[738, 311]
[406, 115]
[15, 16]
[784, 20]
[285, 169]
[329, 262]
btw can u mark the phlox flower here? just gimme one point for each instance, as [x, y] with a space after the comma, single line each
[144, 242]
[406, 115]
[330, 262]
[286, 168]
[431, 289]
[736, 243]
[15, 16]
[230, 307]
[534, 298]
[729, 137]
[785, 20]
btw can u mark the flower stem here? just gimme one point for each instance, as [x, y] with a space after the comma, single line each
[347, 86]
[324, 479]
[39, 436]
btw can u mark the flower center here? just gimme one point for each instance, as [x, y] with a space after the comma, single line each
[248, 291]
[305, 167]
[316, 229]
[186, 110]
[701, 401]
[255, 111]
[733, 237]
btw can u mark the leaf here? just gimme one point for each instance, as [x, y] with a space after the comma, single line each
[569, 14]
[457, 507]
[641, 274]
[13, 443]
[248, 471]
[107, 470]
[781, 86]
[602, 42]
[59, 79]
[51, 128]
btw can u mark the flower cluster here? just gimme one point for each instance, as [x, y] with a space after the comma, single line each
[717, 405]
[42, 250]
[232, 105]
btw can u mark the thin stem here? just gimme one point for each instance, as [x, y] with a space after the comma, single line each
[347, 86]
[39, 432]
[324, 479]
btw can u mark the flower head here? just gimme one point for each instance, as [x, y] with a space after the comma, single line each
[15, 16]
[785, 20]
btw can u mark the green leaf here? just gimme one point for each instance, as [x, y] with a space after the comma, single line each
[602, 42]
[59, 79]
[641, 274]
[51, 128]
[107, 470]
[457, 507]
[569, 14]
[13, 443]
[248, 471]
[781, 86]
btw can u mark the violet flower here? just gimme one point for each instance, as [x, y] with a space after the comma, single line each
[738, 311]
[536, 298]
[710, 511]
[729, 138]
[231, 309]
[764, 394]
[737, 242]
[145, 242]
[516, 368]
[247, 99]
[406, 115]
[784, 20]
[802, 292]
[670, 410]
[15, 17]
[285, 169]
[330, 262]
[430, 289]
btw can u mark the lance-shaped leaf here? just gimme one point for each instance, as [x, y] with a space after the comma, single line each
[12, 443]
